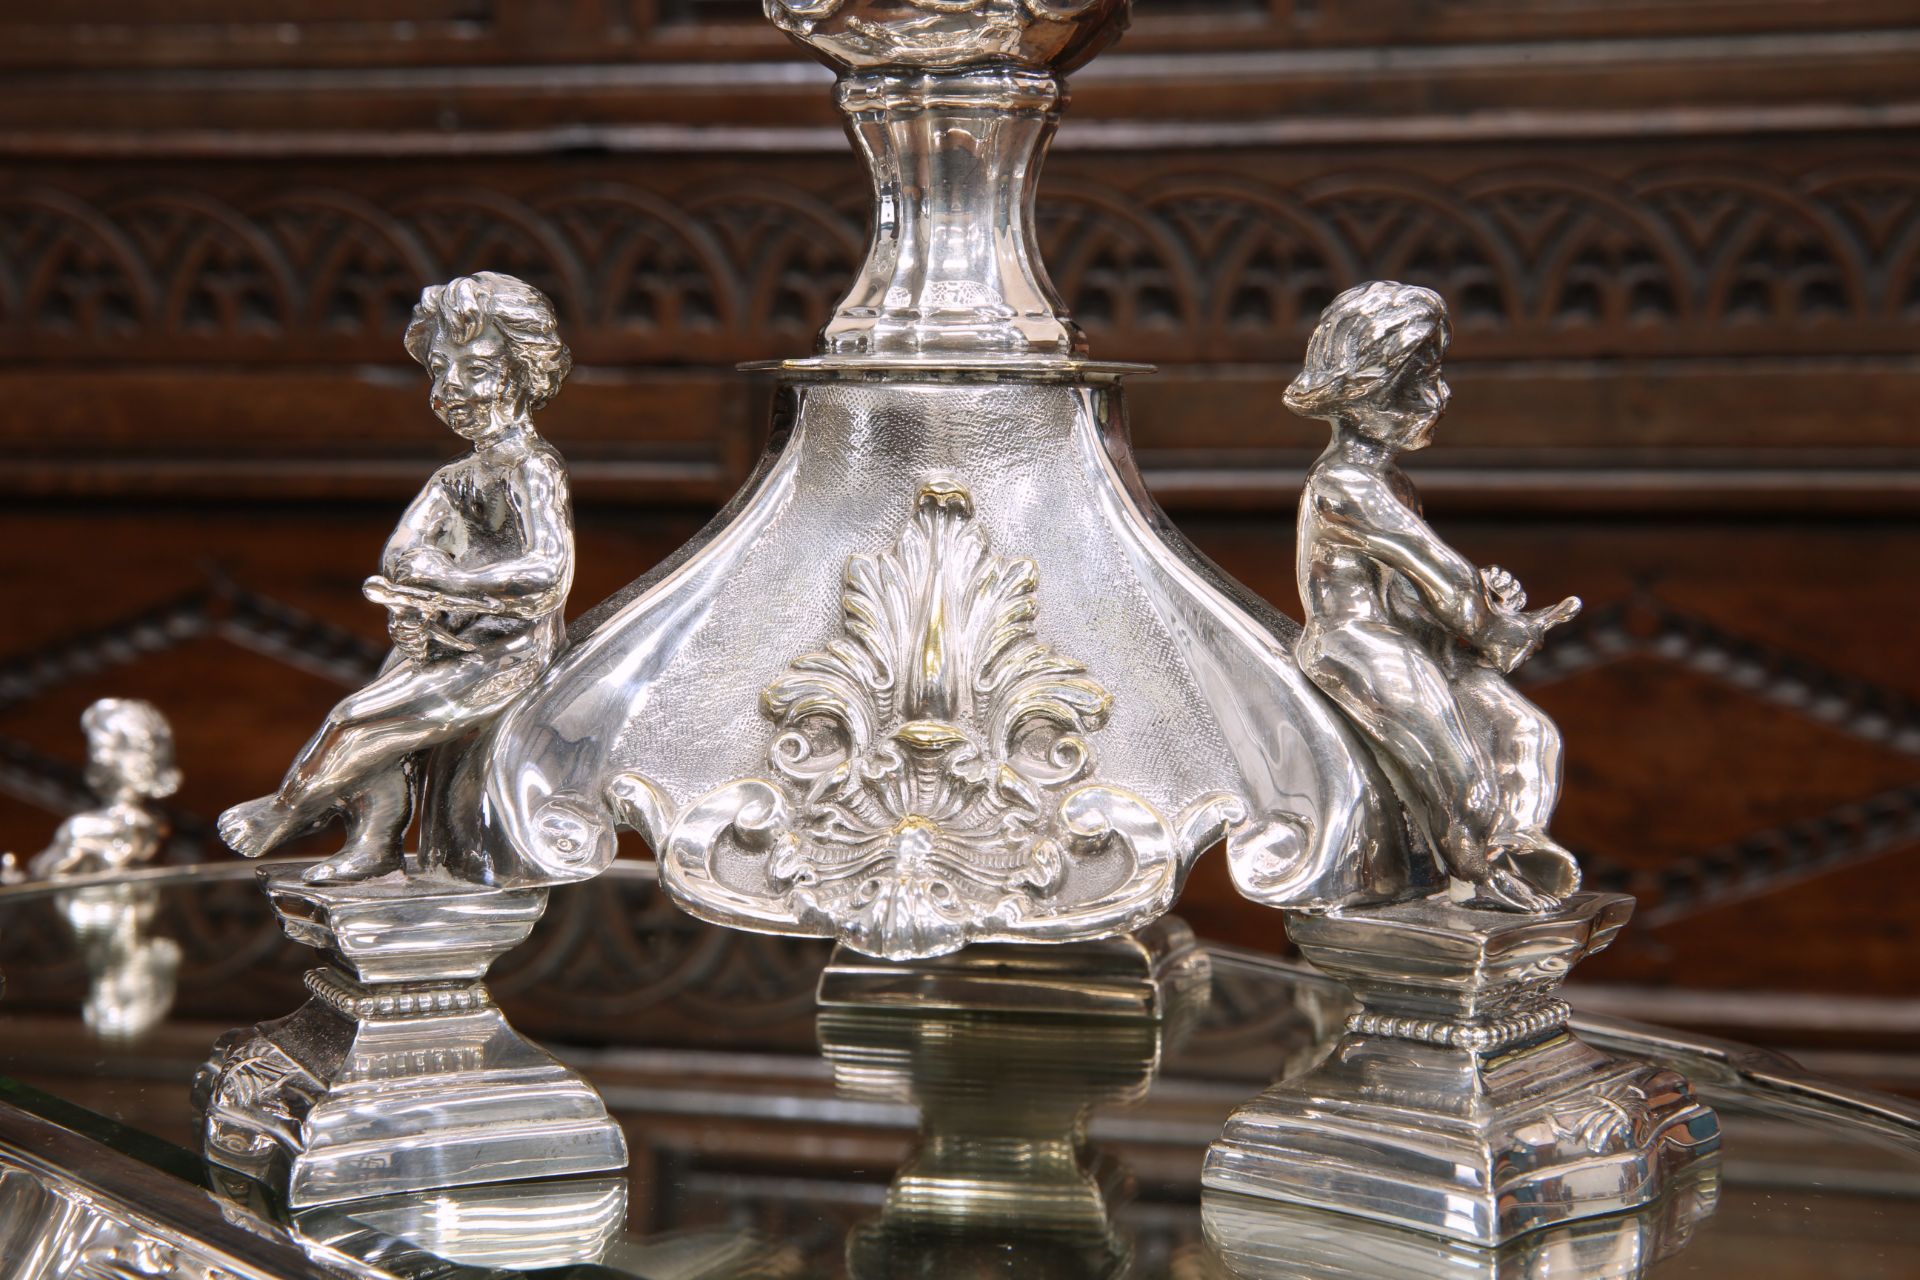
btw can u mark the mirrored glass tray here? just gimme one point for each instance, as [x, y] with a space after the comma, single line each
[902, 1126]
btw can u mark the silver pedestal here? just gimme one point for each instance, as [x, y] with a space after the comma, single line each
[399, 1074]
[1458, 1102]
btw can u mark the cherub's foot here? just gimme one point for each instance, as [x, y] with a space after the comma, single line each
[352, 864]
[1530, 874]
[1505, 891]
[260, 826]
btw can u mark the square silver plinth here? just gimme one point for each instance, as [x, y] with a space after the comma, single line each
[399, 1074]
[1458, 1102]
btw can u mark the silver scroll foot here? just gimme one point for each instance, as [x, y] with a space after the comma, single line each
[399, 1074]
[1458, 1102]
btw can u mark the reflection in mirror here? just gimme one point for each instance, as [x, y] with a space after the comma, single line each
[130, 768]
[511, 1226]
[1257, 1239]
[491, 1231]
[1005, 1053]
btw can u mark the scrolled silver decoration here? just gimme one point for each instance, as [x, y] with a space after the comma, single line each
[931, 782]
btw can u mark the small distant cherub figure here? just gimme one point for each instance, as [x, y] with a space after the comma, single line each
[1411, 640]
[129, 766]
[474, 581]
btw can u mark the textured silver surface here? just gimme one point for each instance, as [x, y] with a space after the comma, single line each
[941, 673]
[473, 580]
[400, 1074]
[1457, 1102]
[664, 716]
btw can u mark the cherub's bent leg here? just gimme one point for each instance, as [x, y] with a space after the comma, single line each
[1524, 746]
[407, 708]
[1403, 701]
[377, 818]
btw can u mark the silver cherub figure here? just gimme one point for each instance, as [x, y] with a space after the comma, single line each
[1411, 640]
[473, 579]
[1458, 1101]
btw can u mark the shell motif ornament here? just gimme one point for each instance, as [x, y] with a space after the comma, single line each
[930, 783]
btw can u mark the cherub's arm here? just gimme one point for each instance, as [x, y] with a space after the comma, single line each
[537, 496]
[419, 530]
[1362, 511]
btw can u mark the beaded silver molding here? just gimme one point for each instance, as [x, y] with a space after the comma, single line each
[1497, 1034]
[355, 1001]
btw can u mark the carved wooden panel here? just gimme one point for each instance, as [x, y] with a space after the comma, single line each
[1680, 252]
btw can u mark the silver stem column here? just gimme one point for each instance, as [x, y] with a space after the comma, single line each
[953, 268]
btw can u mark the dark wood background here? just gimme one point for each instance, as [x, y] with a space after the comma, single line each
[1682, 244]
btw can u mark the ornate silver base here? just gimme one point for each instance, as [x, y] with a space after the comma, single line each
[1458, 1102]
[1156, 973]
[400, 1074]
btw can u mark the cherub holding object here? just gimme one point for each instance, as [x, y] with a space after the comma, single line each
[1411, 640]
[474, 580]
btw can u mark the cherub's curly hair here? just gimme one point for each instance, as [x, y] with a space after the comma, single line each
[522, 314]
[1362, 337]
[139, 725]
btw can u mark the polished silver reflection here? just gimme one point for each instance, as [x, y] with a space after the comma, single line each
[1409, 639]
[1458, 1102]
[473, 581]
[942, 673]
[952, 106]
[1005, 1062]
[556, 1222]
[130, 767]
[1251, 1239]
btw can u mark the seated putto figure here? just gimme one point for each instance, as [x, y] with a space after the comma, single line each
[474, 580]
[1411, 640]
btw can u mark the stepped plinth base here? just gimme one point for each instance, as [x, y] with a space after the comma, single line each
[384, 1083]
[1458, 1102]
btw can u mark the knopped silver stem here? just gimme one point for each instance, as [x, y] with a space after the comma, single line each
[953, 269]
